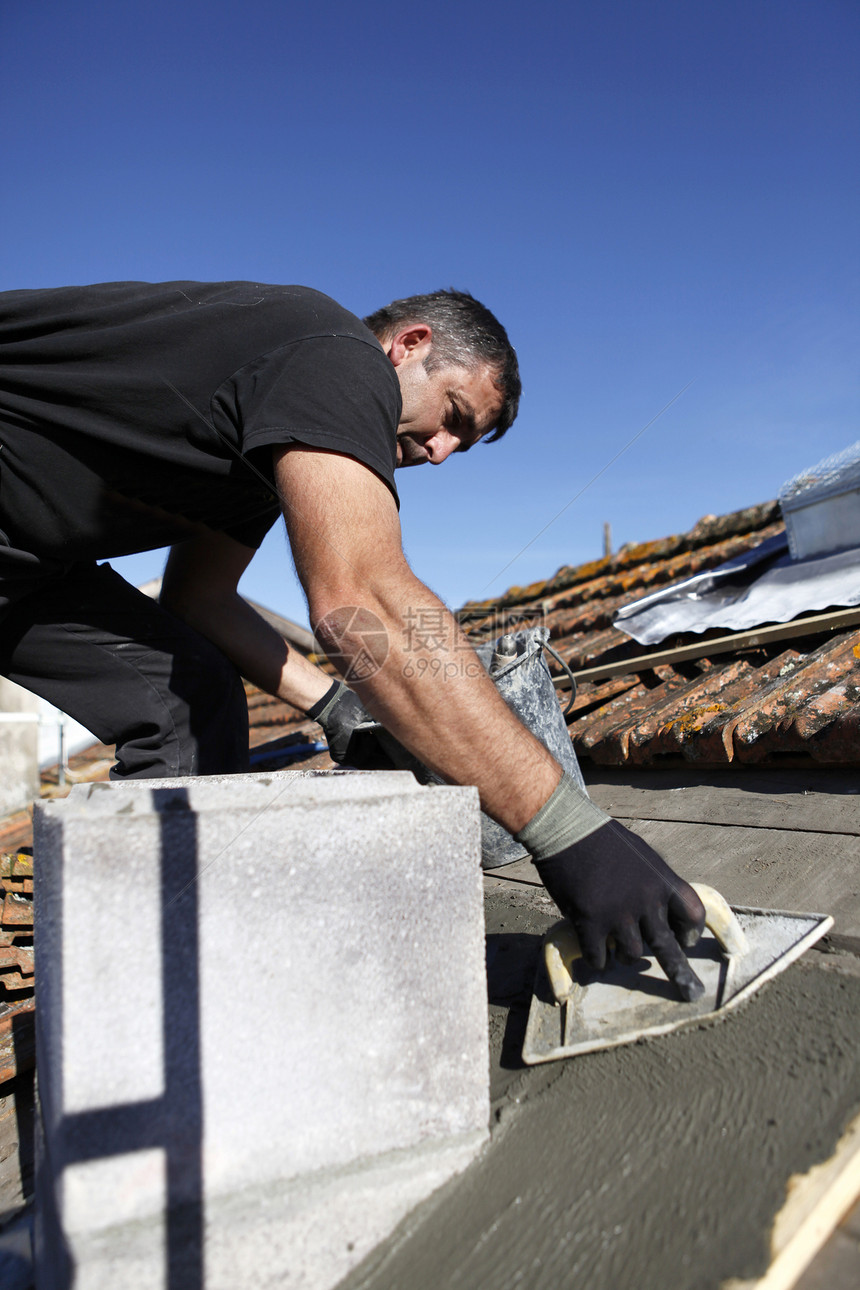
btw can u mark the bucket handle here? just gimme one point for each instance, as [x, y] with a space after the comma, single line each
[549, 649]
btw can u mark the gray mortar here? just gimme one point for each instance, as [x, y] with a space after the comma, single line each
[659, 1164]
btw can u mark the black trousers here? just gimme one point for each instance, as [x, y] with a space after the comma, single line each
[135, 675]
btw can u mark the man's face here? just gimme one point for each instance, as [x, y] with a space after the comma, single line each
[444, 411]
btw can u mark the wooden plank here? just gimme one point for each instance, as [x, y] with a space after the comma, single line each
[833, 621]
[521, 881]
[736, 803]
[519, 871]
[768, 868]
[771, 868]
[816, 1203]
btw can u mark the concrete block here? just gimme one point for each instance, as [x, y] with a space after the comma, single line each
[19, 761]
[19, 747]
[262, 1023]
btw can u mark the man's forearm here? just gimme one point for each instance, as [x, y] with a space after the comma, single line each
[371, 614]
[255, 648]
[418, 675]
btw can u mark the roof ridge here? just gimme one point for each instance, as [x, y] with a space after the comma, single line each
[707, 531]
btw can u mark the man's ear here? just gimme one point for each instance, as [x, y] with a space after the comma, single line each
[412, 342]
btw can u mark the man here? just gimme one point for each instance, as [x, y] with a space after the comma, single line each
[134, 416]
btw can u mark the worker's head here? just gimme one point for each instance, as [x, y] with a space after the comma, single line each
[458, 373]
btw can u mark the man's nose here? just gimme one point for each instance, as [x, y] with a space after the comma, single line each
[440, 445]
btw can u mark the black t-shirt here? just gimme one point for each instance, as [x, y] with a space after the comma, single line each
[132, 414]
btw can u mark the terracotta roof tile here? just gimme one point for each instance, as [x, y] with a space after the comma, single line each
[607, 734]
[706, 693]
[839, 742]
[730, 686]
[592, 695]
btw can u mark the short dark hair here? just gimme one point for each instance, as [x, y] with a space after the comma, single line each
[465, 334]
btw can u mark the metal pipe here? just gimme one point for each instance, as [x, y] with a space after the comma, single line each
[61, 762]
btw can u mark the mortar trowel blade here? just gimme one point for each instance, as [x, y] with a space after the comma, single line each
[627, 1003]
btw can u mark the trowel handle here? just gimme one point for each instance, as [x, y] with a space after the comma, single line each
[560, 948]
[561, 944]
[721, 920]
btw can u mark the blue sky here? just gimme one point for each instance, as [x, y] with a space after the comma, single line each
[648, 194]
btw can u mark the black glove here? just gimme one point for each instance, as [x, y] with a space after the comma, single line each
[613, 886]
[341, 714]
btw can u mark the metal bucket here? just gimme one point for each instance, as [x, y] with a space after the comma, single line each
[519, 671]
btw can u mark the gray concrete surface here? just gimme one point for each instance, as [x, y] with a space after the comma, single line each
[185, 1078]
[664, 1162]
[16, 1252]
[297, 1235]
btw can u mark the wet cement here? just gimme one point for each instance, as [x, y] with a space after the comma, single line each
[662, 1163]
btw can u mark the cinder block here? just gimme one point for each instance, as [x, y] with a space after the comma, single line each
[262, 1023]
[19, 747]
[19, 761]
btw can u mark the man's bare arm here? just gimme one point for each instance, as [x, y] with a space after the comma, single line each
[200, 586]
[345, 537]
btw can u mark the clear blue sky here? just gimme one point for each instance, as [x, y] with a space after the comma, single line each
[647, 192]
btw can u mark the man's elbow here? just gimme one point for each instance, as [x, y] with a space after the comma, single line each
[334, 608]
[337, 621]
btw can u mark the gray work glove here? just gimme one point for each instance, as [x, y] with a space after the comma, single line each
[342, 715]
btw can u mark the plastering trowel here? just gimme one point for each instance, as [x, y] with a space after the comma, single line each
[576, 1010]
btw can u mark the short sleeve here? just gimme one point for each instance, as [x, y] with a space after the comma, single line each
[252, 532]
[334, 392]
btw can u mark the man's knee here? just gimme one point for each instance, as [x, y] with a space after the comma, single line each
[135, 675]
[201, 724]
[217, 712]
